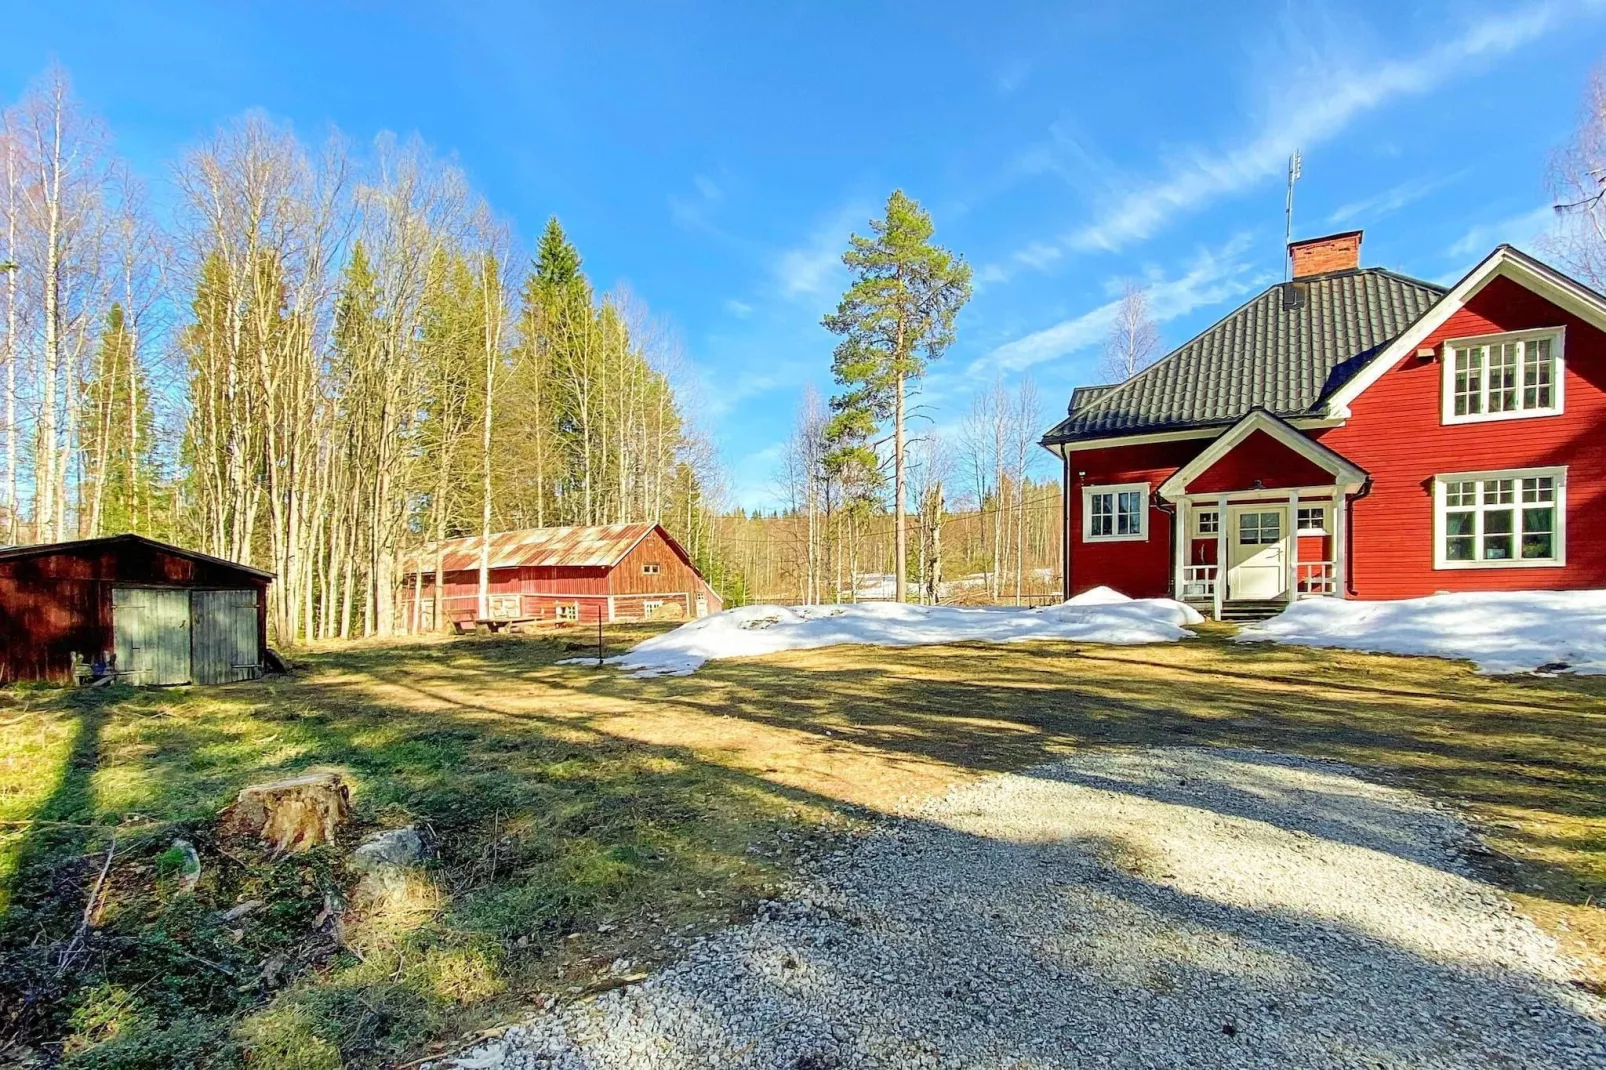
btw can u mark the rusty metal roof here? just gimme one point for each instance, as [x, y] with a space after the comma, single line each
[602, 546]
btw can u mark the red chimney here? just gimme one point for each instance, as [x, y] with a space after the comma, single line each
[1318, 256]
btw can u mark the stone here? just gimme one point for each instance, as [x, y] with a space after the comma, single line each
[383, 861]
[189, 867]
[290, 815]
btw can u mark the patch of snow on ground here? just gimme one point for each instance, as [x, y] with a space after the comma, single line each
[1503, 632]
[1097, 616]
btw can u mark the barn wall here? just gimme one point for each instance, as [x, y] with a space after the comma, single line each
[56, 604]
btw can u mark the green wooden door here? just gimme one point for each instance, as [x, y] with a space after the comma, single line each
[151, 631]
[225, 640]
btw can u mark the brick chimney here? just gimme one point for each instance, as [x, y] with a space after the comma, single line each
[1318, 256]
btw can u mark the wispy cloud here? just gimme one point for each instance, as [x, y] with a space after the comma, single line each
[1521, 229]
[1392, 199]
[740, 309]
[812, 269]
[1012, 77]
[696, 211]
[1341, 89]
[1211, 277]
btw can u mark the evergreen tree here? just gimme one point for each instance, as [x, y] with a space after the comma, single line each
[897, 315]
[123, 438]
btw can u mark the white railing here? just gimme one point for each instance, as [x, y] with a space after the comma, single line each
[1198, 583]
[1315, 578]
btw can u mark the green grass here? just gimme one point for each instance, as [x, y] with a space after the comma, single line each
[540, 833]
[577, 816]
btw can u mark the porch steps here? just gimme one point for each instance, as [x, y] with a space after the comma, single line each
[1247, 612]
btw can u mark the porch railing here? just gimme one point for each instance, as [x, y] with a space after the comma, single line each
[1198, 583]
[1315, 578]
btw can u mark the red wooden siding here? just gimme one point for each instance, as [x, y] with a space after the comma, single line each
[542, 588]
[58, 602]
[1395, 434]
[1139, 569]
[1259, 456]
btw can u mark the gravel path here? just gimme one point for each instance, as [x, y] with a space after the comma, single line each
[1152, 908]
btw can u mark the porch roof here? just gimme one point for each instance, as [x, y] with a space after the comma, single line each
[1262, 452]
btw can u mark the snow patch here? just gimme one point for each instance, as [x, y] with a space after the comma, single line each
[1518, 631]
[1097, 616]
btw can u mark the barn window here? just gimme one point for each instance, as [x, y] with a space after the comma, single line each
[1115, 513]
[1503, 377]
[566, 611]
[1207, 522]
[651, 606]
[1312, 520]
[1511, 519]
[651, 568]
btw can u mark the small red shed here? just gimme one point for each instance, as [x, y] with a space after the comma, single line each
[613, 571]
[127, 606]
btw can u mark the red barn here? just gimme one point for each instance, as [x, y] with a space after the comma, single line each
[1352, 433]
[127, 606]
[613, 571]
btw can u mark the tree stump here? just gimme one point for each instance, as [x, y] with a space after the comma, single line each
[290, 815]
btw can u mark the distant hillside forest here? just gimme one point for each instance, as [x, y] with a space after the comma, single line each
[320, 360]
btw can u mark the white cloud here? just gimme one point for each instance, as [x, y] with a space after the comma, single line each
[1520, 229]
[1012, 77]
[697, 212]
[1339, 91]
[813, 269]
[1212, 277]
[1390, 200]
[740, 309]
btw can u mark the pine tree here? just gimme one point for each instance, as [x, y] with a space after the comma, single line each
[896, 317]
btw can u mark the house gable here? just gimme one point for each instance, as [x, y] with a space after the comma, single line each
[1259, 459]
[1262, 447]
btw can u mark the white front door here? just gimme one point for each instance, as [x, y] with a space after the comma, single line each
[1257, 545]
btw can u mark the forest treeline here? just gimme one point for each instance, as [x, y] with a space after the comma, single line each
[320, 362]
[322, 359]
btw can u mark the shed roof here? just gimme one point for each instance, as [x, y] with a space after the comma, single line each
[112, 542]
[1283, 351]
[599, 546]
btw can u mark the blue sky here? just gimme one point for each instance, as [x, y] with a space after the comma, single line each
[716, 157]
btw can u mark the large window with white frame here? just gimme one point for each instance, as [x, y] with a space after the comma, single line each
[1508, 519]
[1503, 377]
[1115, 513]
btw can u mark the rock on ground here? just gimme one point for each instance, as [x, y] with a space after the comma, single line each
[1150, 908]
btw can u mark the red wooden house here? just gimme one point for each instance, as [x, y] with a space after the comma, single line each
[1353, 433]
[614, 571]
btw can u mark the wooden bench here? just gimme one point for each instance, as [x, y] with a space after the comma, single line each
[496, 624]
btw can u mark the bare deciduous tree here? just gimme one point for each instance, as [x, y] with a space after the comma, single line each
[1133, 342]
[1577, 181]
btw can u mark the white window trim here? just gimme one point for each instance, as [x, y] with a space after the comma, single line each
[1326, 513]
[1198, 515]
[1440, 562]
[1117, 489]
[1558, 356]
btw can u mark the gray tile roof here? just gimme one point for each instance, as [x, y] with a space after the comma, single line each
[1284, 351]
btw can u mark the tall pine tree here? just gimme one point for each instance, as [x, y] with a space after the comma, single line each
[897, 315]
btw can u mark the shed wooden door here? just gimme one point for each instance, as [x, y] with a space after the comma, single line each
[151, 629]
[224, 646]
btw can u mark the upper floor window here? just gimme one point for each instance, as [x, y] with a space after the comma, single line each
[1501, 519]
[1503, 377]
[650, 569]
[1115, 513]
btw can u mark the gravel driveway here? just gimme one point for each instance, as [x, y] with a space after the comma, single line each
[1151, 908]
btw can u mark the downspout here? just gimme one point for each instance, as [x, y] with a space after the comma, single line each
[1349, 537]
[1065, 525]
[1170, 510]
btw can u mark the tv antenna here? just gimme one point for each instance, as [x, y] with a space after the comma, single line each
[1294, 163]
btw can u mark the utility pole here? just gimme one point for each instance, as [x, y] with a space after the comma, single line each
[1294, 162]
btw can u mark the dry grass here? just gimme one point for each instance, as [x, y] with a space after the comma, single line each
[566, 796]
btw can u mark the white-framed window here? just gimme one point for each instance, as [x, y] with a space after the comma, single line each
[1206, 522]
[566, 611]
[651, 606]
[1508, 519]
[1260, 529]
[1312, 520]
[1503, 376]
[651, 568]
[1115, 513]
